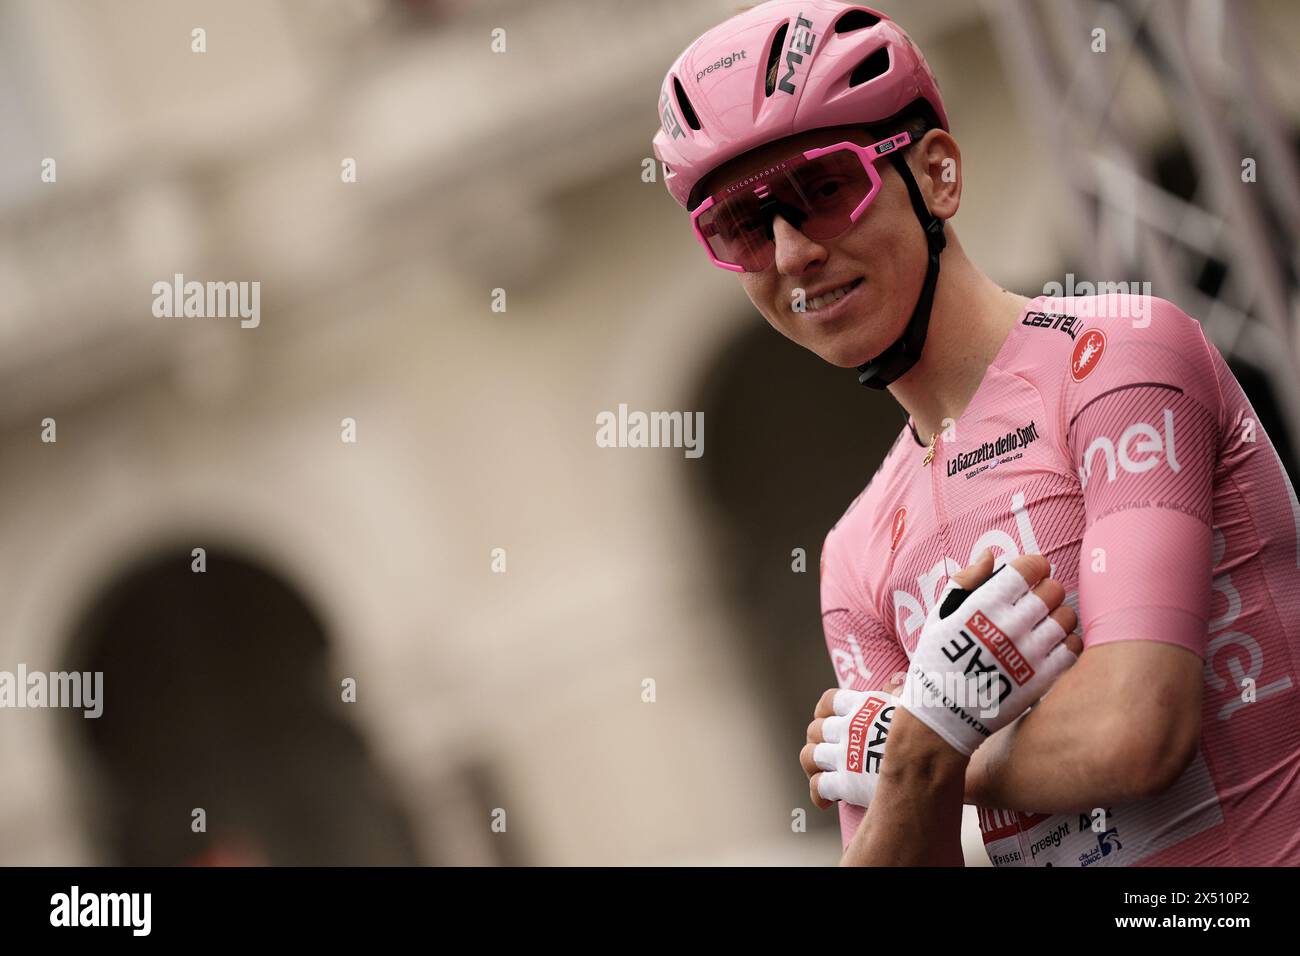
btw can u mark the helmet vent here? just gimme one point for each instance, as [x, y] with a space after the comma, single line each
[688, 111]
[856, 20]
[774, 56]
[873, 66]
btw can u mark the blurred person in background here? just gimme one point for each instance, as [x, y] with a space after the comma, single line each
[1099, 445]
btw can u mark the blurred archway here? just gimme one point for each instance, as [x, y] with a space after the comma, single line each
[217, 695]
[792, 441]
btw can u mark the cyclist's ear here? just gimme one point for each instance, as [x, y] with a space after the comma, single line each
[935, 161]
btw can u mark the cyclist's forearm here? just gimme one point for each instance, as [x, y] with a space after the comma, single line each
[1120, 726]
[1055, 759]
[915, 816]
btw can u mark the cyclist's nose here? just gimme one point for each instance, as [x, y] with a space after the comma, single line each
[795, 252]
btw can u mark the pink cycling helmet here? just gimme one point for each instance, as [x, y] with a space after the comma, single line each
[781, 68]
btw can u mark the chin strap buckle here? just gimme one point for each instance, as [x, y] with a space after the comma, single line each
[935, 235]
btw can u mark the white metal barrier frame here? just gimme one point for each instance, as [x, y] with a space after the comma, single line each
[1203, 56]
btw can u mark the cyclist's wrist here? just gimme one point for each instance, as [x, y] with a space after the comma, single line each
[916, 751]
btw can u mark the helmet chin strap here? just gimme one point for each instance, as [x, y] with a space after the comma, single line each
[891, 364]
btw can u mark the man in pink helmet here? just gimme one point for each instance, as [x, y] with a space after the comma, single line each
[1097, 446]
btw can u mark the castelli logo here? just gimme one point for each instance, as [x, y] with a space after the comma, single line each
[900, 519]
[1087, 353]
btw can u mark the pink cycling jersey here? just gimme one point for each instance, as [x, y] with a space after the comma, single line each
[1111, 437]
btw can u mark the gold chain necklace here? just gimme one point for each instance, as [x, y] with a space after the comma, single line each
[929, 454]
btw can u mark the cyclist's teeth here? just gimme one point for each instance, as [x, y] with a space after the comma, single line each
[824, 300]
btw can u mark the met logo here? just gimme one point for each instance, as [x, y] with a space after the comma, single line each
[802, 40]
[1139, 449]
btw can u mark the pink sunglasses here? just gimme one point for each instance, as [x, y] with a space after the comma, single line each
[821, 192]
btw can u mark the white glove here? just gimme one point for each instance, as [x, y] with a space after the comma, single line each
[854, 745]
[984, 656]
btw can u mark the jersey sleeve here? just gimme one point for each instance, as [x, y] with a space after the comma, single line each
[1141, 414]
[863, 653]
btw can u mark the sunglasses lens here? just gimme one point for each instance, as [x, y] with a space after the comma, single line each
[736, 231]
[828, 190]
[816, 196]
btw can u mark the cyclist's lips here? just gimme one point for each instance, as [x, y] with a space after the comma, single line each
[834, 310]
